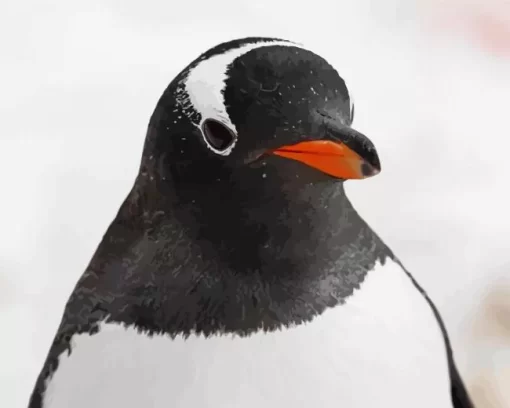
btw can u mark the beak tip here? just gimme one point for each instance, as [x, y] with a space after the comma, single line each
[369, 170]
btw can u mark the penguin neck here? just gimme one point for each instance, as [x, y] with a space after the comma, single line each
[258, 225]
[269, 213]
[241, 251]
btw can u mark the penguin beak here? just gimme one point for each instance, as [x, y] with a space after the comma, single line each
[344, 154]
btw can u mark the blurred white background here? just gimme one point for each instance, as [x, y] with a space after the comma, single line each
[431, 81]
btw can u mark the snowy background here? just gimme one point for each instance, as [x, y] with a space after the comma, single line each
[431, 81]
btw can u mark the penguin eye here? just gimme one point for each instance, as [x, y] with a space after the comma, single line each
[217, 134]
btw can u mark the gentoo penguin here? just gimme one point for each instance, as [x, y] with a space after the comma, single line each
[237, 273]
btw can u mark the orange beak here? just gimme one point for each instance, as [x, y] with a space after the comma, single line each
[331, 157]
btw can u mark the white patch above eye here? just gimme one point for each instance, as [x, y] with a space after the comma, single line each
[205, 83]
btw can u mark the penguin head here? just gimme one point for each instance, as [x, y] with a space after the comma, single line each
[259, 104]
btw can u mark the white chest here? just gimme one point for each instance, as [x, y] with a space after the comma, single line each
[383, 348]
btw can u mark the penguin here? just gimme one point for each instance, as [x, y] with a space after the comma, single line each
[237, 273]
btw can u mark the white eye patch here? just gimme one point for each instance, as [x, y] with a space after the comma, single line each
[203, 93]
[204, 86]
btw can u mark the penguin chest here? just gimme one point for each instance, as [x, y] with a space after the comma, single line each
[382, 348]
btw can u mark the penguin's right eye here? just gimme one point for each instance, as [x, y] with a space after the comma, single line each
[217, 135]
